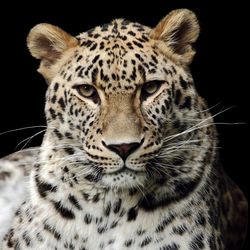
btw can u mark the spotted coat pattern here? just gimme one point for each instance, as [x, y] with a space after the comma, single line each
[129, 158]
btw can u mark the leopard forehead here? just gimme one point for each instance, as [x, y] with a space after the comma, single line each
[117, 57]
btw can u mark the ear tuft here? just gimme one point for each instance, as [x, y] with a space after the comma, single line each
[48, 43]
[178, 31]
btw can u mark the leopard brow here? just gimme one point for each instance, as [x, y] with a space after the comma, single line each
[75, 84]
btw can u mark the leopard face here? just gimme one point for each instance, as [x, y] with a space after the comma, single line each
[121, 106]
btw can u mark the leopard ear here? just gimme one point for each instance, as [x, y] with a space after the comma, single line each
[49, 43]
[177, 32]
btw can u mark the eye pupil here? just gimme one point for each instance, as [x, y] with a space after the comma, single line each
[88, 91]
[150, 88]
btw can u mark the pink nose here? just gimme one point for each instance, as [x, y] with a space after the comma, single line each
[123, 150]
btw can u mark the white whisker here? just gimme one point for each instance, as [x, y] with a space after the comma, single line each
[20, 129]
[29, 139]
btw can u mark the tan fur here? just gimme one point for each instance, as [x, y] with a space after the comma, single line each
[49, 43]
[178, 30]
[121, 121]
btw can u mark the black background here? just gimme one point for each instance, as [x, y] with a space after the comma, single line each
[220, 67]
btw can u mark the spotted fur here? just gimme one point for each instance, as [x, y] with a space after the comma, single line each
[129, 157]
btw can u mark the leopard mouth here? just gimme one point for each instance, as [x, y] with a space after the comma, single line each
[125, 169]
[124, 177]
[124, 172]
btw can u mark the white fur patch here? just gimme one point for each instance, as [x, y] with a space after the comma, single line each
[12, 193]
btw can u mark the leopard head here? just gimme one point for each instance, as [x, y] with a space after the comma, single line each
[121, 105]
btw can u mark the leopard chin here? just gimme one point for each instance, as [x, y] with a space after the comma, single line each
[124, 179]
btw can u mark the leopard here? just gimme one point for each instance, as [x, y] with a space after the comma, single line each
[130, 157]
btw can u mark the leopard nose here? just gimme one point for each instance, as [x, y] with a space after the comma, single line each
[124, 149]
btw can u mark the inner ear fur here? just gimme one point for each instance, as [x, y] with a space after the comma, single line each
[49, 43]
[176, 33]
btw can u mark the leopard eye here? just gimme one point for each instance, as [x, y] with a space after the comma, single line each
[88, 91]
[150, 88]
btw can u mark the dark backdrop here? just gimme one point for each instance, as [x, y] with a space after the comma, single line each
[220, 67]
